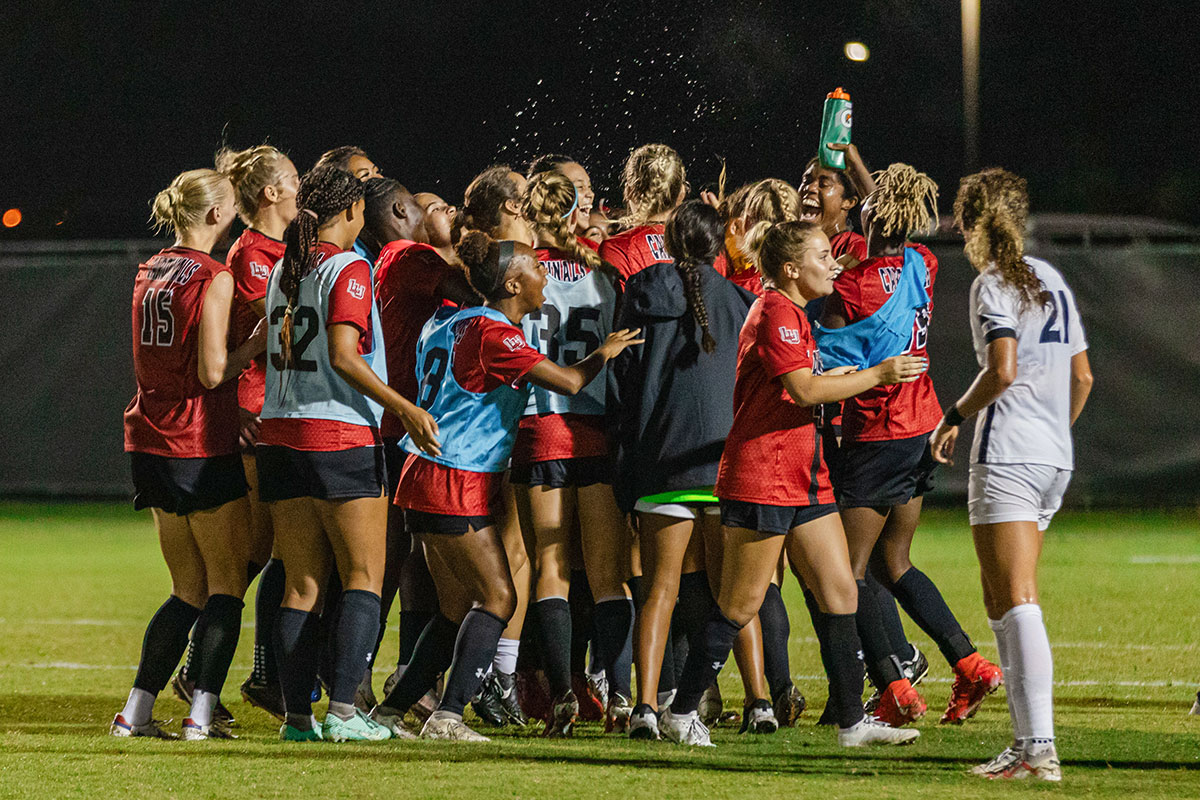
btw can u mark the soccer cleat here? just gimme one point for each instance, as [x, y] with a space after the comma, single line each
[195, 732]
[393, 722]
[685, 728]
[643, 723]
[562, 716]
[759, 717]
[869, 730]
[1196, 706]
[616, 719]
[533, 694]
[900, 704]
[451, 729]
[915, 669]
[507, 684]
[390, 681]
[487, 704]
[183, 687]
[598, 685]
[288, 733]
[711, 705]
[974, 679]
[591, 707]
[359, 728]
[789, 704]
[152, 729]
[265, 696]
[364, 695]
[1006, 761]
[1015, 764]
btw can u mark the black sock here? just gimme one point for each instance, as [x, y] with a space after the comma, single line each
[924, 603]
[668, 676]
[818, 622]
[890, 616]
[430, 658]
[623, 665]
[709, 651]
[846, 675]
[329, 624]
[215, 651]
[189, 661]
[418, 602]
[266, 611]
[163, 645]
[635, 591]
[296, 634]
[529, 657]
[776, 630]
[252, 571]
[554, 633]
[614, 621]
[473, 653]
[353, 643]
[412, 625]
[695, 605]
[579, 597]
[882, 666]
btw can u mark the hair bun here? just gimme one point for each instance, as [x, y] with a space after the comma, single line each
[473, 248]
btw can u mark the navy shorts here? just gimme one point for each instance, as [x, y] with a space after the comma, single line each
[185, 485]
[770, 519]
[563, 472]
[879, 474]
[285, 474]
[450, 524]
[394, 456]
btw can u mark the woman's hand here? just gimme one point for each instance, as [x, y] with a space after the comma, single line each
[248, 423]
[618, 341]
[941, 443]
[901, 369]
[258, 339]
[423, 429]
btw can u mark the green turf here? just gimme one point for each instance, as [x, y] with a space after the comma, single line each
[80, 582]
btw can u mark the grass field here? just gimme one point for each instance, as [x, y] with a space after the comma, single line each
[1119, 592]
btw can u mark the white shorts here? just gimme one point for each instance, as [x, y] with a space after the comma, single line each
[676, 510]
[1015, 493]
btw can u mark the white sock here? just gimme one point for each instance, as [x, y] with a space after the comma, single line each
[202, 707]
[1035, 673]
[138, 707]
[506, 656]
[1012, 689]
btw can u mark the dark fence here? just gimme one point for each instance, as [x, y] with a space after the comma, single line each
[67, 374]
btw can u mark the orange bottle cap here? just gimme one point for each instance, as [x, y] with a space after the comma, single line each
[838, 94]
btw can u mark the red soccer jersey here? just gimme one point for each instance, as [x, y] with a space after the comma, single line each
[848, 242]
[634, 250]
[772, 455]
[251, 259]
[172, 413]
[349, 303]
[407, 276]
[903, 410]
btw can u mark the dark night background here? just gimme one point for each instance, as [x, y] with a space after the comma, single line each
[104, 103]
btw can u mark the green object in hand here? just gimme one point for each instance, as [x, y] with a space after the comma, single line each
[835, 128]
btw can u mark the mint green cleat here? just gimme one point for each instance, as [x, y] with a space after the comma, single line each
[359, 728]
[289, 733]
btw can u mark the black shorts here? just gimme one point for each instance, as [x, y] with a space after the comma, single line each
[563, 472]
[284, 473]
[450, 524]
[185, 485]
[879, 474]
[394, 456]
[770, 519]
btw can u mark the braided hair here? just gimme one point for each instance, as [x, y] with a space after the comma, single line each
[325, 192]
[550, 198]
[694, 236]
[905, 201]
[251, 170]
[992, 206]
[653, 179]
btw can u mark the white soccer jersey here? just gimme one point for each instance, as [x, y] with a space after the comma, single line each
[1031, 422]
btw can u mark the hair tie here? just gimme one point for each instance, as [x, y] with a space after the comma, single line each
[310, 211]
[507, 248]
[574, 205]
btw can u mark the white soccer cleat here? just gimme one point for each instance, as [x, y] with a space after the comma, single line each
[759, 717]
[870, 731]
[1041, 764]
[643, 724]
[152, 729]
[1008, 760]
[685, 728]
[452, 729]
[393, 722]
[195, 732]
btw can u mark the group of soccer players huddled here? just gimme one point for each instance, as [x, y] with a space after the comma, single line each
[584, 445]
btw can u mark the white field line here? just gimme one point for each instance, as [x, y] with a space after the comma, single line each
[1189, 559]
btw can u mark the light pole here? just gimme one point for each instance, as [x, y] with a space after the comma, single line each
[970, 47]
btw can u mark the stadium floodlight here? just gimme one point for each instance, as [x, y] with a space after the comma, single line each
[857, 51]
[11, 218]
[970, 47]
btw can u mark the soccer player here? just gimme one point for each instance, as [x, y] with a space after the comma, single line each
[181, 433]
[320, 456]
[561, 464]
[580, 219]
[1033, 383]
[882, 307]
[475, 366]
[654, 183]
[766, 203]
[774, 487]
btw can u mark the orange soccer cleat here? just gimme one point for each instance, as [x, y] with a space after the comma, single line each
[974, 679]
[900, 704]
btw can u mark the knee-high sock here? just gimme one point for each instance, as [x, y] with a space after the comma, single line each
[692, 612]
[473, 653]
[1034, 667]
[890, 616]
[163, 644]
[613, 619]
[818, 622]
[431, 657]
[267, 600]
[846, 673]
[418, 603]
[353, 643]
[554, 629]
[776, 630]
[188, 671]
[579, 597]
[707, 655]
[214, 652]
[924, 603]
[882, 666]
[1012, 687]
[330, 613]
[296, 635]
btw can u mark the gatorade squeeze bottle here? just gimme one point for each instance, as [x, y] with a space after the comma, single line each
[835, 128]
